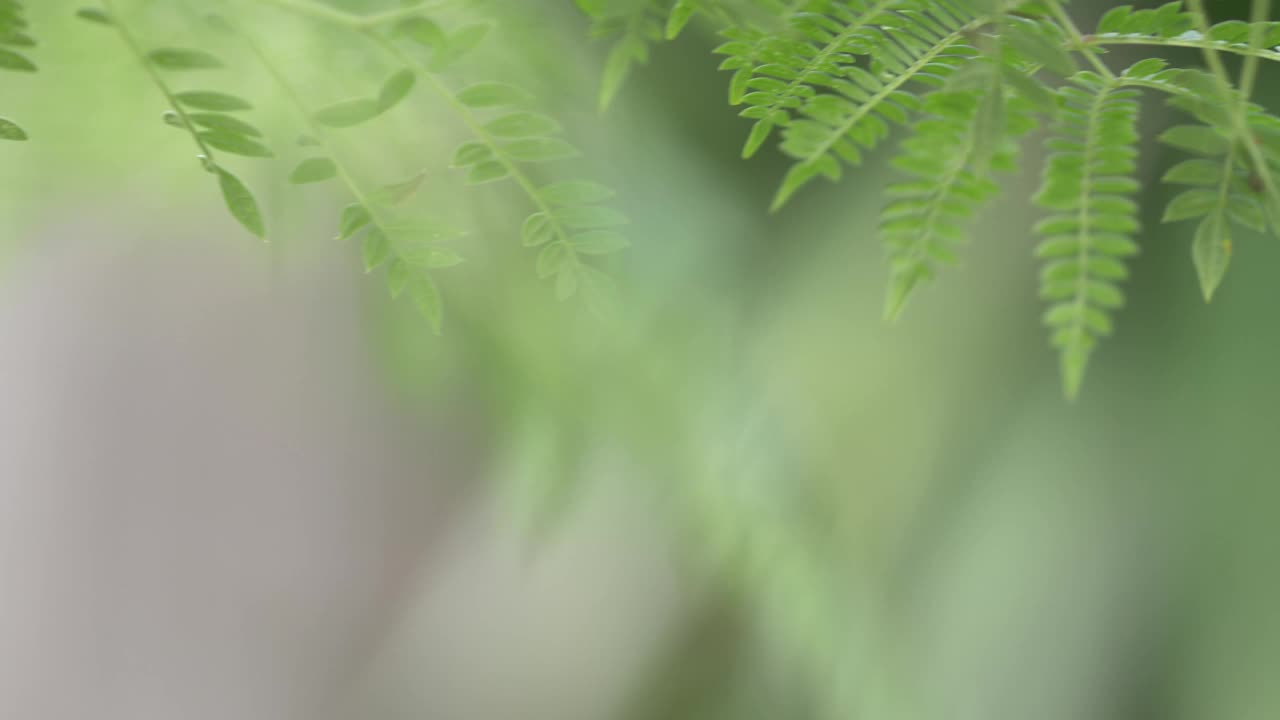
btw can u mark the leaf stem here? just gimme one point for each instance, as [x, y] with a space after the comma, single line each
[477, 129]
[312, 127]
[1065, 21]
[1259, 13]
[135, 48]
[1238, 111]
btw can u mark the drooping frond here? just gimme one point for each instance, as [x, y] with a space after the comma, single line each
[569, 223]
[1226, 189]
[635, 25]
[783, 71]
[849, 104]
[203, 114]
[1170, 26]
[13, 42]
[950, 169]
[1087, 183]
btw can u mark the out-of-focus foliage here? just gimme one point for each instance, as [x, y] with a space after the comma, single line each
[899, 522]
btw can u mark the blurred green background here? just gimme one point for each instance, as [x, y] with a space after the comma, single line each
[889, 522]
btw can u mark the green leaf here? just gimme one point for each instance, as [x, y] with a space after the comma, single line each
[9, 130]
[426, 297]
[538, 229]
[599, 242]
[522, 124]
[241, 203]
[455, 46]
[94, 15]
[551, 259]
[376, 249]
[471, 153]
[590, 218]
[490, 94]
[421, 31]
[235, 144]
[397, 277]
[313, 170]
[396, 89]
[487, 172]
[10, 60]
[215, 101]
[348, 113]
[540, 150]
[1197, 139]
[576, 192]
[1211, 253]
[355, 217]
[225, 123]
[396, 193]
[183, 59]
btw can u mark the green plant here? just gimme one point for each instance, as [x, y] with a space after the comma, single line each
[828, 80]
[971, 78]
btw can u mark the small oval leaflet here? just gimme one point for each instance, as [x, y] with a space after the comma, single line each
[395, 89]
[486, 172]
[522, 124]
[241, 203]
[537, 230]
[354, 218]
[540, 150]
[183, 59]
[491, 94]
[234, 144]
[470, 153]
[225, 123]
[348, 113]
[576, 192]
[215, 101]
[599, 242]
[453, 47]
[313, 170]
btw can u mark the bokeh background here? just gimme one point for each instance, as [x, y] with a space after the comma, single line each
[237, 481]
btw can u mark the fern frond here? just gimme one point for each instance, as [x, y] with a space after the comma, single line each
[202, 114]
[1226, 187]
[1170, 26]
[569, 223]
[918, 41]
[928, 216]
[637, 24]
[409, 249]
[13, 40]
[1087, 183]
[786, 72]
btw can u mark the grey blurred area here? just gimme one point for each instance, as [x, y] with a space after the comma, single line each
[213, 506]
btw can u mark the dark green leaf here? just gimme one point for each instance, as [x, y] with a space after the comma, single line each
[10, 60]
[9, 130]
[94, 15]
